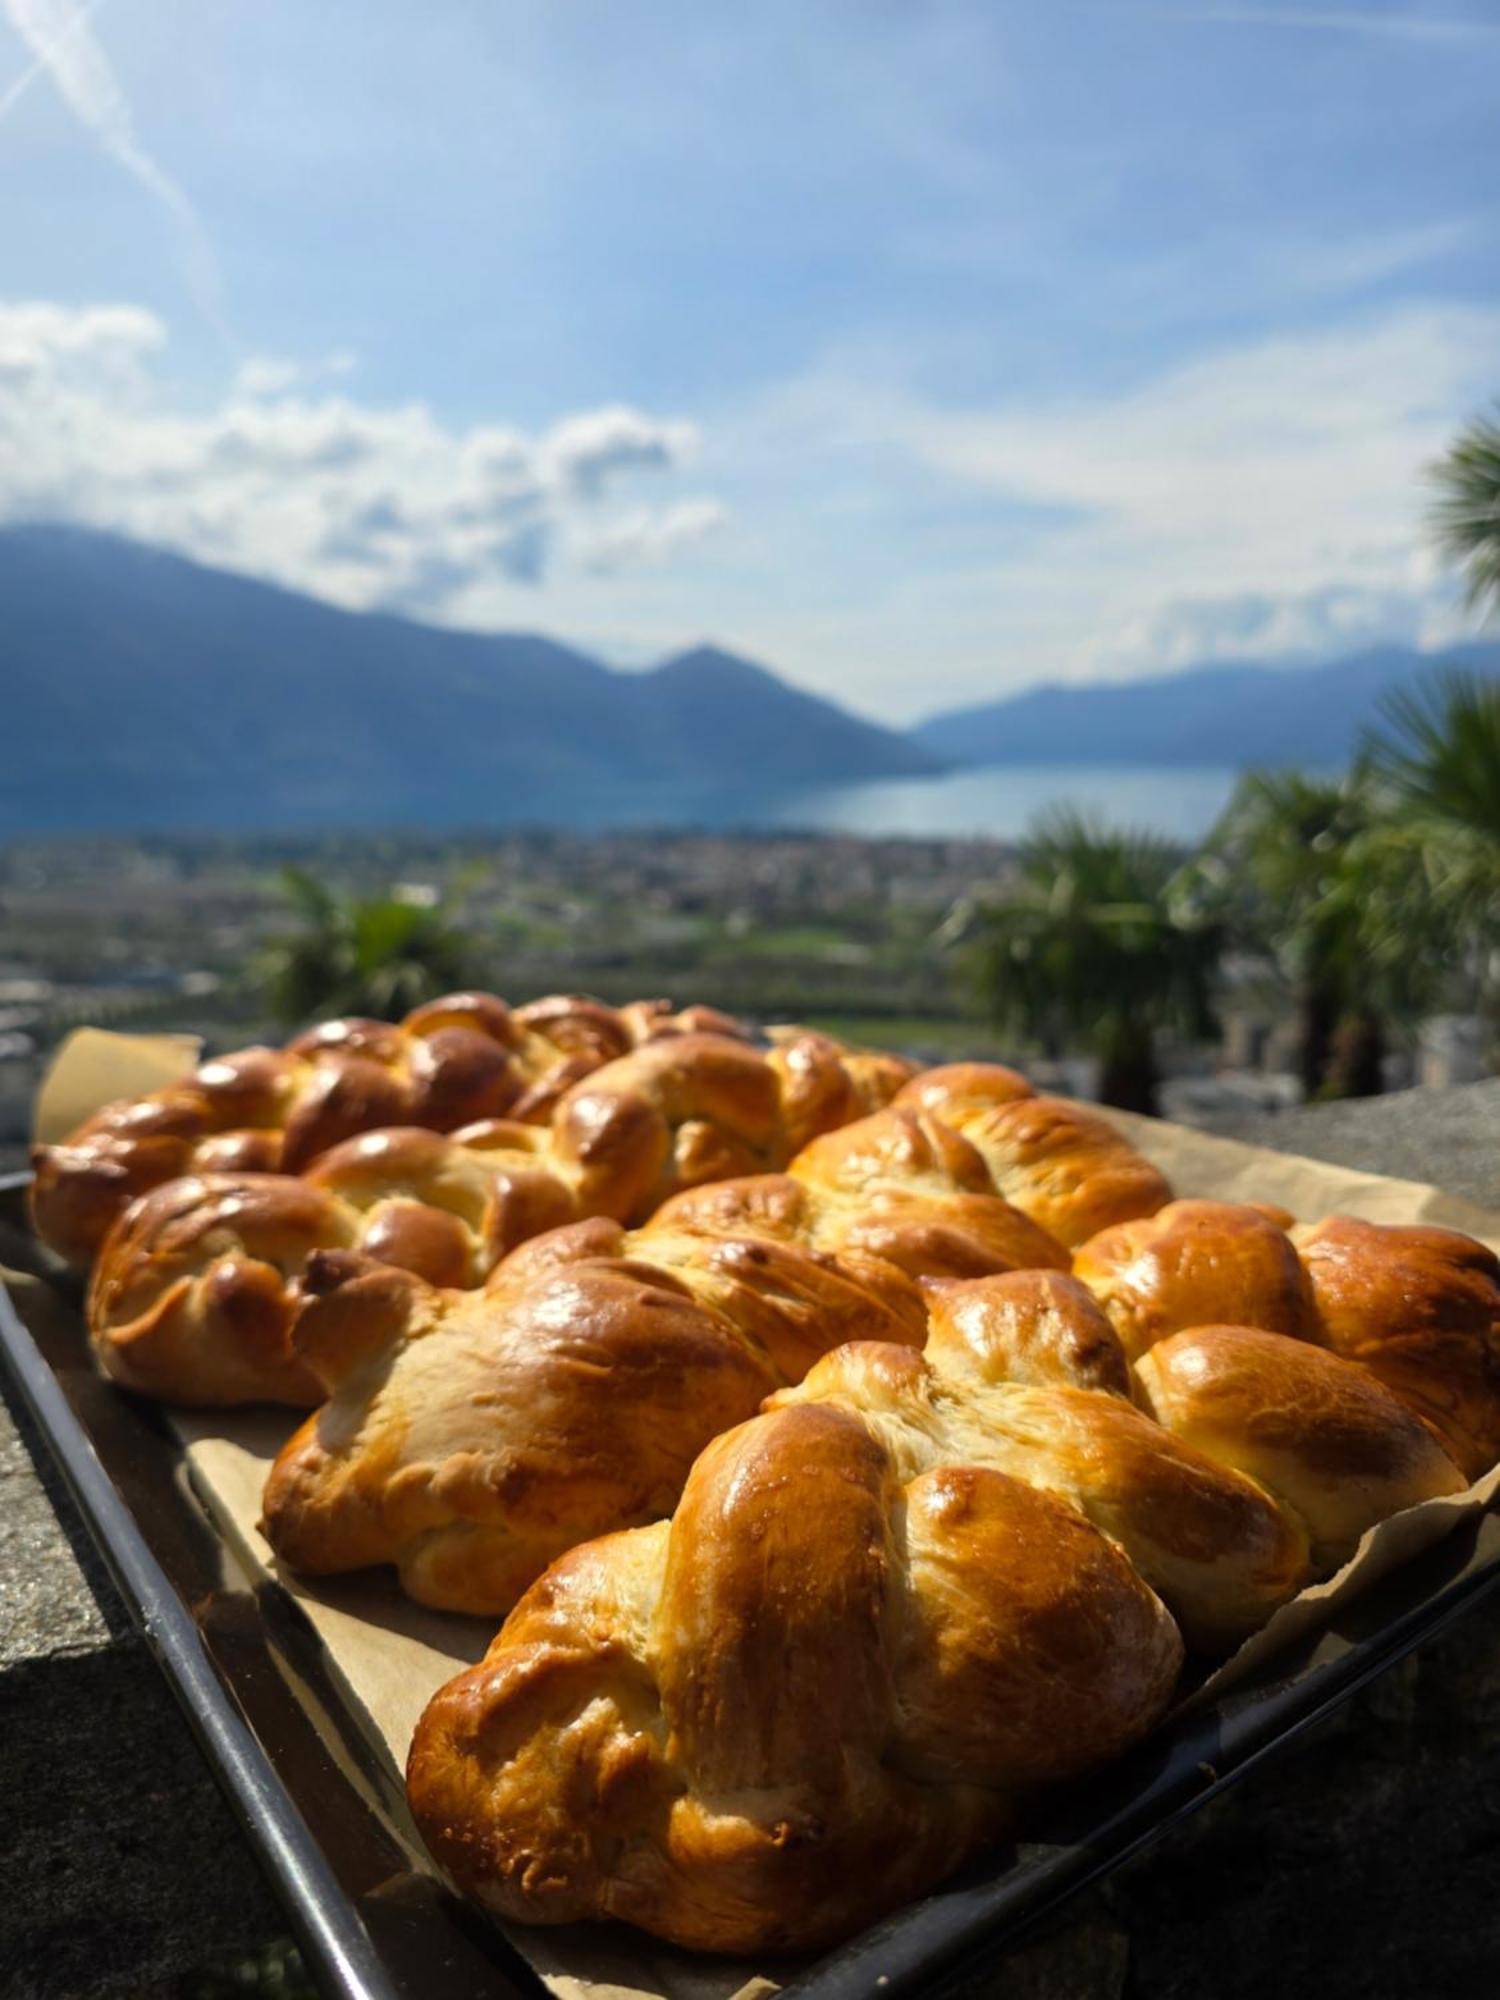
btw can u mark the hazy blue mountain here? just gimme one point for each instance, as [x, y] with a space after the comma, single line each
[1239, 714]
[140, 690]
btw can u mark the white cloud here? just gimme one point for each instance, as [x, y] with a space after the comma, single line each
[641, 537]
[39, 340]
[582, 452]
[273, 375]
[1311, 625]
[369, 505]
[890, 548]
[1265, 500]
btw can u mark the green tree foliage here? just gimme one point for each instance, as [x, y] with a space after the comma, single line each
[1100, 944]
[1319, 874]
[378, 956]
[1436, 751]
[1437, 748]
[1466, 514]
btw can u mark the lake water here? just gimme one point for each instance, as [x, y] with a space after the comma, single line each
[1001, 802]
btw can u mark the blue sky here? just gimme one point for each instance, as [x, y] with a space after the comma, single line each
[923, 351]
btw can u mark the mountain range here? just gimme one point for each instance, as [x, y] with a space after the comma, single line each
[1241, 715]
[142, 691]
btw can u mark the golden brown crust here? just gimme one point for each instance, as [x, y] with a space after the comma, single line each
[169, 1308]
[201, 1291]
[508, 1424]
[907, 1188]
[1196, 1263]
[1419, 1307]
[970, 1636]
[1326, 1438]
[465, 1057]
[1034, 1326]
[682, 1109]
[954, 1091]
[1214, 1547]
[774, 1272]
[911, 1591]
[1064, 1166]
[824, 1084]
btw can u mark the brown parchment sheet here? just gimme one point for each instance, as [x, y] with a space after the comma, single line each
[391, 1656]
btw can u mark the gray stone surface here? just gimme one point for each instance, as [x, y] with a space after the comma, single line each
[1364, 1865]
[123, 1871]
[52, 1596]
[1448, 1137]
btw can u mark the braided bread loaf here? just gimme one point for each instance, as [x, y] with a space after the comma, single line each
[890, 1607]
[1419, 1307]
[469, 1438]
[1065, 1167]
[455, 1060]
[195, 1292]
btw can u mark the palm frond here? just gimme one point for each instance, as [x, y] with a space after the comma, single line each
[374, 955]
[1438, 747]
[1465, 516]
[1094, 943]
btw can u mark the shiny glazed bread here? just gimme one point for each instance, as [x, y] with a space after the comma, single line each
[458, 1059]
[889, 1608]
[197, 1288]
[1064, 1166]
[1419, 1307]
[469, 1438]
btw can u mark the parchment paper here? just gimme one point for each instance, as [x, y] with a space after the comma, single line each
[391, 1656]
[93, 1066]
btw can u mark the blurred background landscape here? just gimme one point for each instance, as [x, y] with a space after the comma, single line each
[972, 526]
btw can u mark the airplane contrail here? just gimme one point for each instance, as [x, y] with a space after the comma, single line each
[36, 67]
[65, 48]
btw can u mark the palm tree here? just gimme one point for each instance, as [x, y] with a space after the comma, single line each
[378, 956]
[1281, 842]
[1098, 945]
[1436, 749]
[1466, 513]
[1316, 871]
[1437, 746]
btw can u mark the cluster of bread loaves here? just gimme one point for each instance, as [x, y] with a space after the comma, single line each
[853, 1451]
[457, 1060]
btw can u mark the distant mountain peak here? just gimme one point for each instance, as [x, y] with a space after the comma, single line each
[144, 690]
[716, 663]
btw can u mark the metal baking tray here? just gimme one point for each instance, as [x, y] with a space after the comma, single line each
[320, 1807]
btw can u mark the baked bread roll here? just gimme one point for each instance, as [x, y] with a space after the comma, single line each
[885, 1611]
[263, 1110]
[198, 1297]
[1418, 1307]
[1065, 1167]
[1327, 1438]
[468, 1439]
[181, 1301]
[902, 1186]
